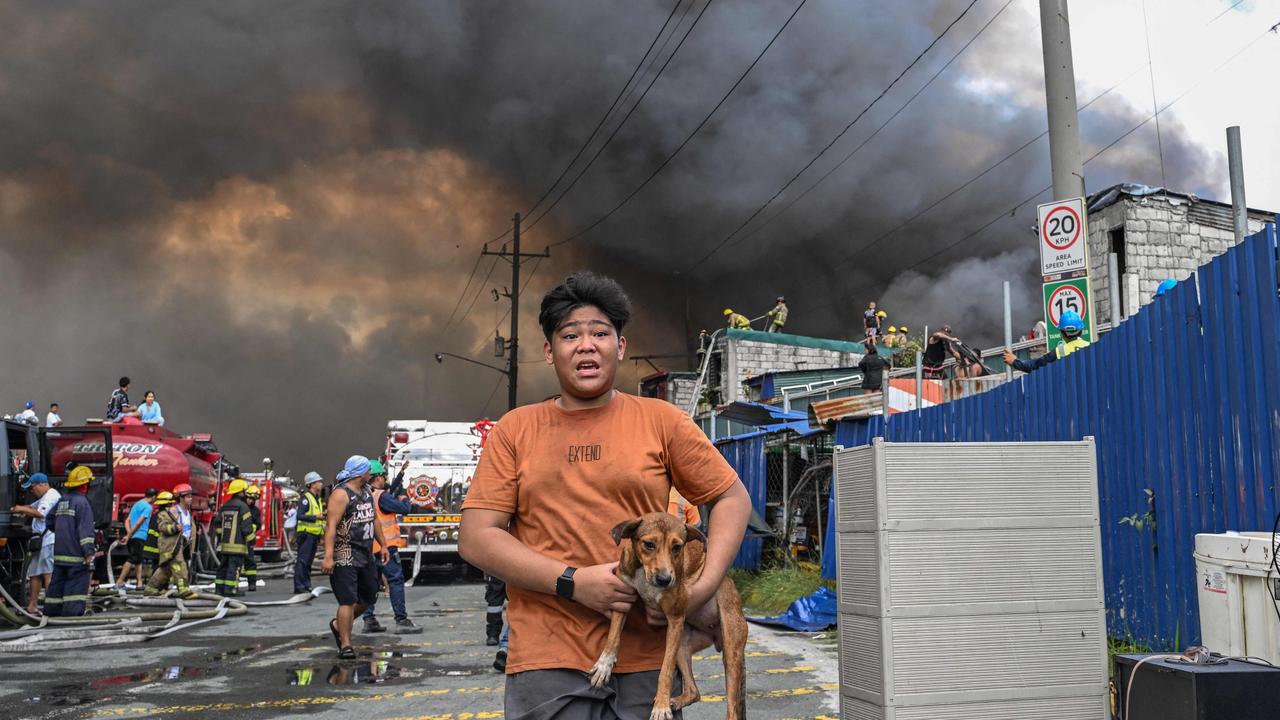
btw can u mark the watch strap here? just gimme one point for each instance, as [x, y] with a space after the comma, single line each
[564, 583]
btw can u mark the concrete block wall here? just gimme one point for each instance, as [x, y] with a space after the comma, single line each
[680, 391]
[748, 358]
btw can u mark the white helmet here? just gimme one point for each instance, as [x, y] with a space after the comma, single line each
[312, 477]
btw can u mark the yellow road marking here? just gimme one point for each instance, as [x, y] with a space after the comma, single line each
[758, 653]
[798, 668]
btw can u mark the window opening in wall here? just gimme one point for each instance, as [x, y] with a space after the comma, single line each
[1115, 244]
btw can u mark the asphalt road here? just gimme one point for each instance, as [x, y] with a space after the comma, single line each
[281, 662]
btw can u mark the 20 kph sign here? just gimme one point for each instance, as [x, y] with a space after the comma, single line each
[1063, 237]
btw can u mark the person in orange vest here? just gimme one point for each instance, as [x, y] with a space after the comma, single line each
[388, 505]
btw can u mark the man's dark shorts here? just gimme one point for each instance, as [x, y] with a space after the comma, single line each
[354, 585]
[568, 695]
[135, 550]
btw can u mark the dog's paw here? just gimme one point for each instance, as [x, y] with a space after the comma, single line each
[660, 714]
[602, 670]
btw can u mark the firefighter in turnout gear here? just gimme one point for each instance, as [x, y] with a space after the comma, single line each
[172, 546]
[1071, 325]
[73, 548]
[777, 317]
[736, 321]
[235, 527]
[251, 495]
[310, 531]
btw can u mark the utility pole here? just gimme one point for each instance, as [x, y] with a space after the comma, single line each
[513, 342]
[1060, 97]
[1235, 165]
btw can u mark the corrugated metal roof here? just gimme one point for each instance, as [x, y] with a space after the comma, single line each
[796, 341]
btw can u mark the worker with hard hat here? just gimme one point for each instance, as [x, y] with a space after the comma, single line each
[235, 535]
[1071, 325]
[777, 317]
[171, 565]
[182, 508]
[388, 505]
[252, 495]
[891, 337]
[310, 531]
[736, 321]
[73, 548]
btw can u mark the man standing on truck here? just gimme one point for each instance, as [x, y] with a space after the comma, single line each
[350, 533]
[235, 533]
[73, 548]
[387, 506]
[135, 530]
[252, 494]
[40, 569]
[310, 531]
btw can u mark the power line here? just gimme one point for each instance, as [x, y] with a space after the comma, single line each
[463, 294]
[479, 290]
[533, 269]
[791, 203]
[687, 139]
[626, 117]
[835, 139]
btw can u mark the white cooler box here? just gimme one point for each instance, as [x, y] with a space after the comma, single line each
[1237, 593]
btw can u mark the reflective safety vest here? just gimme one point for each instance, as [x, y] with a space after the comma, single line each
[311, 505]
[390, 525]
[235, 527]
[1067, 348]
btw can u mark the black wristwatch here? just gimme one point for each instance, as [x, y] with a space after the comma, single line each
[564, 583]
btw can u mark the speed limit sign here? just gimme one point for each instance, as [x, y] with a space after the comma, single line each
[1063, 237]
[1061, 296]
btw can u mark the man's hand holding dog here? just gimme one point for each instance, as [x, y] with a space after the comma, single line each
[599, 589]
[703, 613]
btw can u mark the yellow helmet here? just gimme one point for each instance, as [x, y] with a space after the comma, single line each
[893, 329]
[164, 498]
[236, 486]
[82, 475]
[882, 313]
[904, 328]
[728, 311]
[253, 491]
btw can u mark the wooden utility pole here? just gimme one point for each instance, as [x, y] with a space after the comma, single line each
[513, 342]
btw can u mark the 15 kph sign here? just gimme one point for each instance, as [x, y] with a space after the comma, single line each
[1063, 237]
[1064, 295]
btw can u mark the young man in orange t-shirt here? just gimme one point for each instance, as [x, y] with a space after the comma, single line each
[560, 474]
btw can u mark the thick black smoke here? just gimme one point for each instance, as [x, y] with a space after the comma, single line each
[266, 213]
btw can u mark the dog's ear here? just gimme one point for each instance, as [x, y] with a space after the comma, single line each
[691, 533]
[625, 530]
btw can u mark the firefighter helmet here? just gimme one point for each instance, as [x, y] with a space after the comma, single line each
[164, 498]
[881, 313]
[904, 328]
[728, 311]
[893, 329]
[236, 486]
[182, 489]
[253, 491]
[82, 475]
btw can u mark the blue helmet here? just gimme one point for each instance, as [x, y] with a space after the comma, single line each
[1070, 321]
[1166, 286]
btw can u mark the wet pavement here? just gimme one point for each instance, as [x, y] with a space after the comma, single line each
[280, 662]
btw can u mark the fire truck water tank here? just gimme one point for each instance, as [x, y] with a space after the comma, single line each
[1238, 588]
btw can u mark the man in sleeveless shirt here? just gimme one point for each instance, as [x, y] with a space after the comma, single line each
[348, 550]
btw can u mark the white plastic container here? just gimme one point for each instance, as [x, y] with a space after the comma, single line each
[1236, 585]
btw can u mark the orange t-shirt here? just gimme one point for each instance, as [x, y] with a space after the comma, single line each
[689, 515]
[568, 478]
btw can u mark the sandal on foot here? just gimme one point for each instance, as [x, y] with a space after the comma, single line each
[333, 630]
[347, 653]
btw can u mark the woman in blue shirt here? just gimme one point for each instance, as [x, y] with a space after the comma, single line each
[149, 410]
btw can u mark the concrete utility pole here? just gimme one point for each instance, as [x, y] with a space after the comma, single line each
[1235, 165]
[1060, 97]
[513, 343]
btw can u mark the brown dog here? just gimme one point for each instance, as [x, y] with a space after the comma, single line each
[661, 560]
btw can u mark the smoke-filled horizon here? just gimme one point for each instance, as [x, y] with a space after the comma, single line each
[267, 215]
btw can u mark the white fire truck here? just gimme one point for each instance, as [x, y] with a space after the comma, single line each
[442, 458]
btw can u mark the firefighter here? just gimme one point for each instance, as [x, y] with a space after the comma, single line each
[171, 565]
[73, 548]
[251, 495]
[310, 531]
[737, 321]
[1071, 325]
[235, 525]
[777, 316]
[387, 506]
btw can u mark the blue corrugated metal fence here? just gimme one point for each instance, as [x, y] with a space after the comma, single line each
[1184, 400]
[746, 456]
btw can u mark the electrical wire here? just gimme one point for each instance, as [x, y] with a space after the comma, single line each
[626, 117]
[465, 288]
[687, 139]
[523, 286]
[834, 140]
[1151, 70]
[791, 203]
[479, 290]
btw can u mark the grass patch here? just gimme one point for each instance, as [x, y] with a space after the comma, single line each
[771, 591]
[1122, 646]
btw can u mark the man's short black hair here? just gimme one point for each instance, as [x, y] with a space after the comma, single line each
[580, 289]
[124, 381]
[151, 492]
[53, 405]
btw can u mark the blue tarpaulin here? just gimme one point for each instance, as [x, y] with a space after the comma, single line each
[808, 614]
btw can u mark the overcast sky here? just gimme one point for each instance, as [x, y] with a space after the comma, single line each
[267, 212]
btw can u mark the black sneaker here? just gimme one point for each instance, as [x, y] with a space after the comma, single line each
[405, 626]
[373, 626]
[500, 661]
[492, 639]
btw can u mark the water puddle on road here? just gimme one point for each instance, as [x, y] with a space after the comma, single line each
[372, 668]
